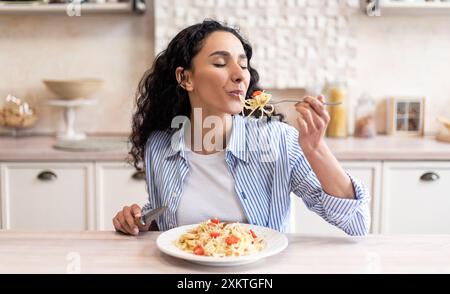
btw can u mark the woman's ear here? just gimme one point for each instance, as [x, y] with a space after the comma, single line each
[179, 75]
[183, 78]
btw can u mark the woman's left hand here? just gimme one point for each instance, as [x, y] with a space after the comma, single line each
[313, 122]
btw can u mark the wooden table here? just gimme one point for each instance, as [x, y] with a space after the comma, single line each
[110, 252]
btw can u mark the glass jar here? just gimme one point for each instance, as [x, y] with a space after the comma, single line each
[337, 126]
[365, 117]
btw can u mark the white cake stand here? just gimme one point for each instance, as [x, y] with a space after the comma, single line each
[69, 116]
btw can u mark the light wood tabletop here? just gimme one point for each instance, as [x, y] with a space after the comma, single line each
[111, 252]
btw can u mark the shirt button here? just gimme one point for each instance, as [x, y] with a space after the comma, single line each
[174, 194]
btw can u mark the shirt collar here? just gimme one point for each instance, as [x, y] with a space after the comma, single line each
[177, 144]
[237, 145]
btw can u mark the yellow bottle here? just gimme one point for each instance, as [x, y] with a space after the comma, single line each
[337, 127]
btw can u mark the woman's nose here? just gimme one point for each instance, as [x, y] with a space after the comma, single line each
[237, 74]
[237, 79]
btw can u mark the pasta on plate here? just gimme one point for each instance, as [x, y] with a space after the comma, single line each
[220, 239]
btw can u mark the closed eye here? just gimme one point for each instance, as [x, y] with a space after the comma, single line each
[222, 65]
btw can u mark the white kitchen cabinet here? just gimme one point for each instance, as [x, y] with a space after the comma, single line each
[87, 195]
[416, 197]
[47, 196]
[308, 222]
[117, 185]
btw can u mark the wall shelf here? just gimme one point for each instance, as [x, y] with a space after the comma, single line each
[35, 7]
[389, 7]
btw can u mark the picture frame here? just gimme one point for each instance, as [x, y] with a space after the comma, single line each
[405, 116]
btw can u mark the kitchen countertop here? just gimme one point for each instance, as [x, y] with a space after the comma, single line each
[110, 252]
[389, 148]
[39, 148]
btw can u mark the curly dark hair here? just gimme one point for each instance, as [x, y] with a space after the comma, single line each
[159, 97]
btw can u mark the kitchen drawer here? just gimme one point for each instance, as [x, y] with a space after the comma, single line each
[308, 222]
[117, 185]
[47, 196]
[416, 198]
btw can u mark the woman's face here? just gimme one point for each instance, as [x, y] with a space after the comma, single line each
[219, 75]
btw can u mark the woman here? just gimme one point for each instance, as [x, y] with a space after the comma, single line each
[219, 164]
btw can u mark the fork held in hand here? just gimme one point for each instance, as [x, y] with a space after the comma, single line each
[283, 101]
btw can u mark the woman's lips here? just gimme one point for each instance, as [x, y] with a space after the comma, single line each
[236, 94]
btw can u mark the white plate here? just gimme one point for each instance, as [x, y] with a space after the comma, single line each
[275, 243]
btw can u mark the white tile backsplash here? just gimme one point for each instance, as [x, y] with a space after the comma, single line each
[311, 22]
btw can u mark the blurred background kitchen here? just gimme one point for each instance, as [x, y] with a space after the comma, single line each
[63, 146]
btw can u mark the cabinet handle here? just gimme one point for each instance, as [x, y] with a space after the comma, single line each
[139, 176]
[47, 176]
[429, 177]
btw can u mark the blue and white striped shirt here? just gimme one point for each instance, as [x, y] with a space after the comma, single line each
[267, 164]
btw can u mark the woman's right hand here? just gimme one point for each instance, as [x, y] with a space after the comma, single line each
[127, 220]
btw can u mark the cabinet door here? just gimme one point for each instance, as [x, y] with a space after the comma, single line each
[308, 222]
[118, 184]
[416, 198]
[47, 196]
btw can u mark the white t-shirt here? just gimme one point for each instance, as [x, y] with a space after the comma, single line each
[208, 191]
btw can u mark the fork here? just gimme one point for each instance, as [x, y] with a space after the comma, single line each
[326, 103]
